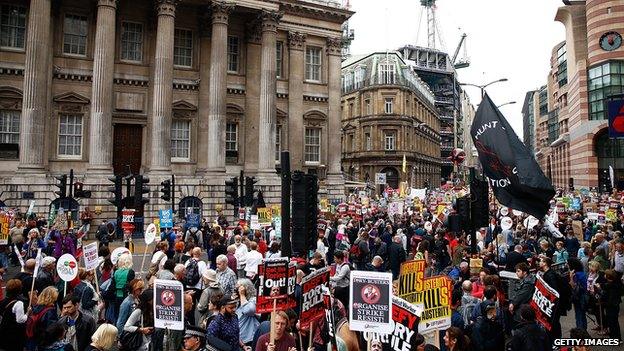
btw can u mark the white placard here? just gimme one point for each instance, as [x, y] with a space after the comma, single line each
[168, 304]
[254, 224]
[506, 223]
[118, 252]
[371, 302]
[90, 253]
[67, 267]
[380, 178]
[150, 234]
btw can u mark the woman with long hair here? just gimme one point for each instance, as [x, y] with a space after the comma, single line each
[13, 315]
[85, 290]
[104, 338]
[455, 340]
[44, 313]
[123, 274]
[246, 312]
[135, 289]
[142, 320]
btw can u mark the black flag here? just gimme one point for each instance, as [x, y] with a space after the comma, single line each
[513, 173]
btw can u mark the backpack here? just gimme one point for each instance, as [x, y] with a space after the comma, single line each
[466, 311]
[33, 321]
[565, 294]
[354, 251]
[192, 273]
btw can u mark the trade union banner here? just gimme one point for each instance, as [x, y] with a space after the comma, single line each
[312, 307]
[168, 304]
[516, 178]
[266, 303]
[371, 307]
[411, 279]
[405, 319]
[544, 302]
[436, 304]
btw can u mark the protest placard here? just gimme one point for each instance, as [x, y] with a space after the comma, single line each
[67, 267]
[168, 304]
[166, 218]
[577, 227]
[411, 279]
[4, 228]
[544, 302]
[273, 278]
[19, 256]
[118, 252]
[371, 307]
[312, 307]
[436, 304]
[405, 317]
[90, 253]
[265, 305]
[254, 223]
[265, 216]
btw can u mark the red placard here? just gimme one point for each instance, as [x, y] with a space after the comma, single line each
[544, 302]
[312, 307]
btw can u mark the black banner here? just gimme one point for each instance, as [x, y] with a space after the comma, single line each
[513, 173]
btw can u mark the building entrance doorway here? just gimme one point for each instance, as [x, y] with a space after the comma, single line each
[392, 177]
[127, 143]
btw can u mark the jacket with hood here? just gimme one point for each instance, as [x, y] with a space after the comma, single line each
[487, 334]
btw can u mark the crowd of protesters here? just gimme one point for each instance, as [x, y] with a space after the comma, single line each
[218, 264]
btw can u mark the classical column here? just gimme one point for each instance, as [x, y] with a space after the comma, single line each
[334, 51]
[101, 129]
[218, 86]
[296, 43]
[163, 88]
[36, 74]
[266, 140]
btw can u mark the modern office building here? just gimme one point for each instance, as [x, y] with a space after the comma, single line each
[197, 88]
[388, 114]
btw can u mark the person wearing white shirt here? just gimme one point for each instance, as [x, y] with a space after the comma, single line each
[201, 267]
[254, 258]
[241, 256]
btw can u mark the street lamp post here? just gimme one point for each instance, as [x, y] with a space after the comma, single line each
[482, 87]
[505, 104]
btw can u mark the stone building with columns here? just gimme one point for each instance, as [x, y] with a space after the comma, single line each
[388, 113]
[197, 88]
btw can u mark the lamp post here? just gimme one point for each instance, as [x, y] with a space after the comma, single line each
[505, 104]
[482, 87]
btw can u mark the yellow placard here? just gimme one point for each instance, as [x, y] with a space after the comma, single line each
[411, 281]
[276, 211]
[437, 304]
[4, 229]
[265, 216]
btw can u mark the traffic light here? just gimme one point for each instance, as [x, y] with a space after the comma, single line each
[62, 185]
[140, 188]
[116, 190]
[166, 190]
[463, 210]
[249, 191]
[231, 192]
[79, 192]
[311, 211]
[480, 206]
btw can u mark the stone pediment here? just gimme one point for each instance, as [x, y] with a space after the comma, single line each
[183, 105]
[7, 92]
[71, 98]
[315, 114]
[234, 109]
[348, 126]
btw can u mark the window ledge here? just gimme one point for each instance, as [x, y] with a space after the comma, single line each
[12, 49]
[314, 82]
[180, 160]
[68, 158]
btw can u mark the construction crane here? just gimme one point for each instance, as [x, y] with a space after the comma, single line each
[464, 61]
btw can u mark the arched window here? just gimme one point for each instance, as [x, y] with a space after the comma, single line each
[190, 204]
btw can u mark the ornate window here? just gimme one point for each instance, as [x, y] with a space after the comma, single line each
[70, 135]
[75, 29]
[233, 52]
[132, 41]
[181, 139]
[12, 26]
[183, 48]
[313, 64]
[386, 73]
[313, 145]
[188, 205]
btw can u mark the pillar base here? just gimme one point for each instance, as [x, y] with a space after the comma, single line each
[335, 184]
[31, 170]
[99, 170]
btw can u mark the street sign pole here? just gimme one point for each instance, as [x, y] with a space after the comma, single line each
[286, 183]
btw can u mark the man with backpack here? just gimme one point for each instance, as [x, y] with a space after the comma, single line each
[468, 302]
[195, 267]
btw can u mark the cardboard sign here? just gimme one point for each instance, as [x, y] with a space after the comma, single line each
[265, 305]
[380, 178]
[371, 307]
[436, 304]
[254, 223]
[312, 307]
[273, 279]
[168, 304]
[544, 302]
[265, 217]
[411, 279]
[4, 229]
[166, 218]
[405, 318]
[60, 222]
[90, 253]
[67, 267]
[193, 219]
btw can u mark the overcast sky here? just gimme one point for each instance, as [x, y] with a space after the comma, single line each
[506, 39]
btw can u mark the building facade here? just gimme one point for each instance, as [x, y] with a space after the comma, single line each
[528, 121]
[388, 114]
[468, 113]
[594, 74]
[197, 88]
